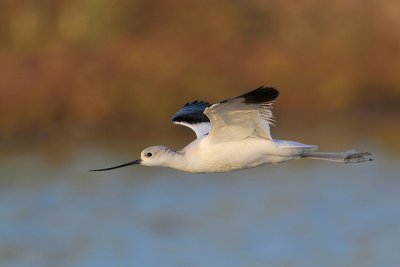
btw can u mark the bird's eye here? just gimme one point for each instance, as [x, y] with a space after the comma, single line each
[149, 154]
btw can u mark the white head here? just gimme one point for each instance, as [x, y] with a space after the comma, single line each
[155, 156]
[151, 156]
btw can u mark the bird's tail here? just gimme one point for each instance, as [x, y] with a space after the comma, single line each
[351, 156]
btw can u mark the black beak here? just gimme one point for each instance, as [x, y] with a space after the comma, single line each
[138, 161]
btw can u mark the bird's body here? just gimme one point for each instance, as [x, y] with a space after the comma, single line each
[203, 156]
[233, 134]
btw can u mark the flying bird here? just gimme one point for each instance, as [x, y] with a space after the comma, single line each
[234, 134]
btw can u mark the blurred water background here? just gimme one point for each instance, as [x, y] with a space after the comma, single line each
[87, 84]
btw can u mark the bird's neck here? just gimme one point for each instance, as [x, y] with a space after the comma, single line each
[176, 160]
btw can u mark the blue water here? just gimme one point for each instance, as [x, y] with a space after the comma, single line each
[304, 213]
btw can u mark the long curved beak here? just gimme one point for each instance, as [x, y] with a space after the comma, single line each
[138, 161]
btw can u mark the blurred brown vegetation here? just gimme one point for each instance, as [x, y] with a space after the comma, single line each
[80, 69]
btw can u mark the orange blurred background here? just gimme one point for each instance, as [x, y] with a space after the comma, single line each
[87, 84]
[74, 71]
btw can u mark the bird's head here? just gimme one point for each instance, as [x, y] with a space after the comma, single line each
[155, 156]
[151, 156]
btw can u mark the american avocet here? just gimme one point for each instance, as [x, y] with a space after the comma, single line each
[231, 135]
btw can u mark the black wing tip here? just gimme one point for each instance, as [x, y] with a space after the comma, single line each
[191, 119]
[197, 103]
[192, 113]
[260, 95]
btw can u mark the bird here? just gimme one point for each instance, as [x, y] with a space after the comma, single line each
[234, 134]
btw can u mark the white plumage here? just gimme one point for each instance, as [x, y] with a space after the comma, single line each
[231, 135]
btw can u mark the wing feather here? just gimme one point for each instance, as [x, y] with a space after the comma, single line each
[192, 116]
[243, 116]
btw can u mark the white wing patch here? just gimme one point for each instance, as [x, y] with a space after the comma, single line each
[243, 116]
[192, 116]
[200, 129]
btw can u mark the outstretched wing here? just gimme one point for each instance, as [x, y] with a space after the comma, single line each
[192, 116]
[243, 116]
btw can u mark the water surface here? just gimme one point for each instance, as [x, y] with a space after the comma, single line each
[307, 213]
